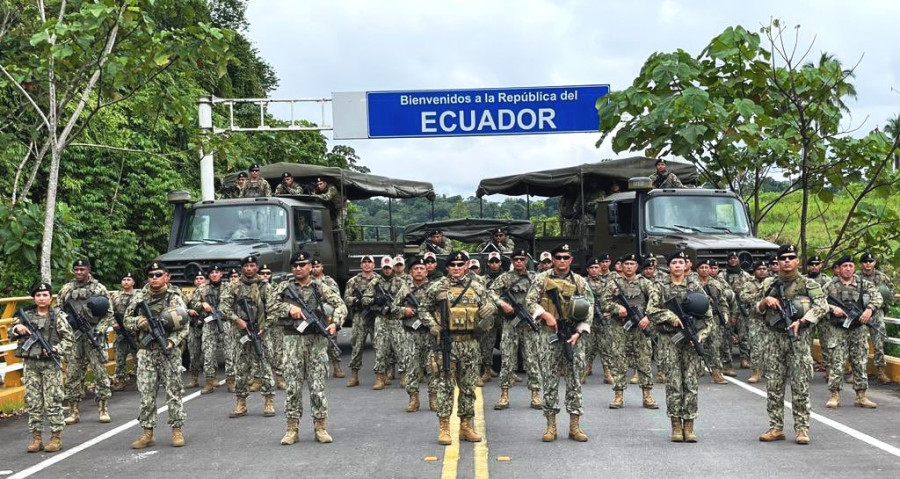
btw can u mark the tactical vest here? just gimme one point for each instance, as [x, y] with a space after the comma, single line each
[463, 309]
[254, 188]
[156, 306]
[567, 289]
[47, 326]
[78, 296]
[312, 297]
[256, 309]
[634, 293]
[519, 288]
[414, 323]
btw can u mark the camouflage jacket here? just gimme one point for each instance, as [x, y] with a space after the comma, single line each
[391, 285]
[799, 285]
[537, 294]
[858, 291]
[506, 246]
[315, 294]
[517, 284]
[445, 247]
[669, 180]
[639, 291]
[57, 332]
[672, 291]
[398, 308]
[330, 282]
[259, 300]
[171, 298]
[356, 285]
[79, 293]
[429, 304]
[256, 188]
[881, 280]
[283, 190]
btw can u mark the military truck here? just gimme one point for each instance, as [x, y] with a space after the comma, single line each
[275, 228]
[706, 223]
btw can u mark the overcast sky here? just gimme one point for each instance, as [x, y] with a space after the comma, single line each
[320, 47]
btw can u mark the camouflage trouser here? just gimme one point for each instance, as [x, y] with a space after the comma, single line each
[554, 366]
[682, 367]
[783, 364]
[725, 348]
[274, 342]
[712, 345]
[597, 343]
[465, 357]
[743, 328]
[212, 341]
[154, 368]
[195, 348]
[511, 338]
[823, 330]
[419, 347]
[248, 365]
[630, 347]
[361, 330]
[840, 343]
[43, 394]
[123, 350]
[878, 340]
[81, 357]
[757, 350]
[305, 360]
[390, 343]
[486, 343]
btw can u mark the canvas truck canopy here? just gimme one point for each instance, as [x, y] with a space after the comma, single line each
[469, 230]
[356, 186]
[557, 182]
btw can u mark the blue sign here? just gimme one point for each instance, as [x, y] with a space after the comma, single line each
[496, 111]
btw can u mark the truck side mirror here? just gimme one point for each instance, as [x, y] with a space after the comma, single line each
[612, 213]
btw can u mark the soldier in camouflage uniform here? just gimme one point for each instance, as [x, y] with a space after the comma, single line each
[274, 343]
[119, 301]
[553, 299]
[886, 288]
[43, 379]
[499, 242]
[400, 269]
[731, 314]
[332, 198]
[516, 332]
[851, 290]
[215, 336]
[195, 334]
[258, 300]
[82, 355]
[363, 319]
[633, 345]
[418, 342]
[735, 277]
[234, 191]
[664, 179]
[814, 272]
[755, 320]
[255, 186]
[288, 186]
[716, 342]
[682, 363]
[389, 337]
[786, 357]
[154, 367]
[597, 342]
[305, 348]
[435, 243]
[334, 352]
[489, 336]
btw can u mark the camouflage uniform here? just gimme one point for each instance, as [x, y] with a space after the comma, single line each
[389, 337]
[195, 335]
[504, 247]
[754, 322]
[427, 246]
[879, 279]
[552, 361]
[153, 367]
[246, 360]
[283, 190]
[305, 354]
[714, 348]
[362, 327]
[785, 361]
[735, 277]
[682, 364]
[334, 352]
[488, 337]
[598, 341]
[632, 346]
[82, 355]
[669, 180]
[119, 302]
[43, 380]
[419, 344]
[841, 341]
[256, 188]
[335, 202]
[212, 338]
[515, 335]
[821, 330]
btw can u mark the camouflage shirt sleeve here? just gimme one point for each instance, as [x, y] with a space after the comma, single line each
[66, 335]
[226, 302]
[819, 304]
[277, 308]
[334, 300]
[875, 299]
[109, 319]
[399, 305]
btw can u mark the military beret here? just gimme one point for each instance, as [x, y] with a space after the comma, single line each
[648, 262]
[519, 253]
[249, 259]
[214, 268]
[233, 272]
[387, 262]
[733, 254]
[128, 275]
[676, 255]
[788, 248]
[429, 255]
[498, 231]
[465, 254]
[265, 269]
[321, 180]
[300, 258]
[41, 287]
[474, 264]
[650, 257]
[417, 261]
[435, 231]
[707, 262]
[154, 266]
[658, 161]
[815, 260]
[629, 257]
[366, 258]
[81, 262]
[242, 175]
[286, 175]
[772, 261]
[603, 257]
[254, 166]
[315, 262]
[399, 260]
[493, 256]
[545, 256]
[593, 261]
[757, 264]
[866, 257]
[843, 259]
[457, 256]
[563, 248]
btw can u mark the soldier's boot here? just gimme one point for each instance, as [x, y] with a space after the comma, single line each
[688, 430]
[210, 385]
[649, 402]
[618, 400]
[515, 377]
[432, 397]
[37, 442]
[389, 376]
[634, 379]
[589, 369]
[607, 376]
[103, 411]
[413, 405]
[536, 402]
[716, 376]
[575, 431]
[467, 431]
[550, 432]
[802, 437]
[338, 372]
[379, 381]
[118, 383]
[240, 408]
[479, 382]
[321, 434]
[745, 363]
[730, 372]
[444, 437]
[146, 439]
[292, 435]
[229, 382]
[177, 437]
[279, 382]
[269, 406]
[503, 402]
[255, 386]
[486, 376]
[772, 434]
[495, 374]
[661, 377]
[880, 376]
[194, 381]
[826, 373]
[354, 378]
[677, 431]
[834, 401]
[754, 376]
[862, 401]
[55, 443]
[74, 416]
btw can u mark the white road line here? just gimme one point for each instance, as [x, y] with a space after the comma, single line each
[828, 422]
[67, 453]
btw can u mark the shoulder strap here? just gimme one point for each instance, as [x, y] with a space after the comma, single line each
[461, 294]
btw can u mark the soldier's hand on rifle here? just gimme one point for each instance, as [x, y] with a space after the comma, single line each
[623, 313]
[507, 309]
[865, 316]
[574, 338]
[409, 312]
[207, 307]
[143, 324]
[796, 327]
[170, 344]
[770, 303]
[331, 329]
[644, 323]
[442, 294]
[296, 313]
[192, 313]
[435, 331]
[838, 312]
[241, 324]
[115, 326]
[677, 323]
[548, 319]
[21, 330]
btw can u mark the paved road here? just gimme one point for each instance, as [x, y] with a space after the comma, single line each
[376, 438]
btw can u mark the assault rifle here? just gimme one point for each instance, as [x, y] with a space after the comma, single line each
[35, 336]
[365, 311]
[688, 326]
[157, 332]
[520, 314]
[413, 303]
[311, 319]
[82, 327]
[252, 328]
[634, 315]
[382, 294]
[563, 328]
[714, 304]
[126, 336]
[216, 313]
[785, 313]
[444, 341]
[741, 306]
[852, 312]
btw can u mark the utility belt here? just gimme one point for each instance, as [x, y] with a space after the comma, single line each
[462, 337]
[413, 325]
[669, 330]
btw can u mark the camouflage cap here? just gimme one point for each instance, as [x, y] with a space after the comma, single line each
[367, 258]
[41, 287]
[387, 262]
[429, 255]
[474, 264]
[399, 260]
[493, 256]
[545, 256]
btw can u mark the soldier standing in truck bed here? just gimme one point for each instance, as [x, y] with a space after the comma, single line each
[664, 179]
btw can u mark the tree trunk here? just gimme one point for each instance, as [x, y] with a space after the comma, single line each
[804, 186]
[50, 216]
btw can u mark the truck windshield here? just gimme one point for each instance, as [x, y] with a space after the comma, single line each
[233, 224]
[696, 214]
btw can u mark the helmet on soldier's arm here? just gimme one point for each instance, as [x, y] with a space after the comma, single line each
[695, 304]
[886, 295]
[174, 318]
[98, 306]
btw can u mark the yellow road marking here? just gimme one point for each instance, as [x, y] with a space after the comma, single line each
[481, 448]
[451, 452]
